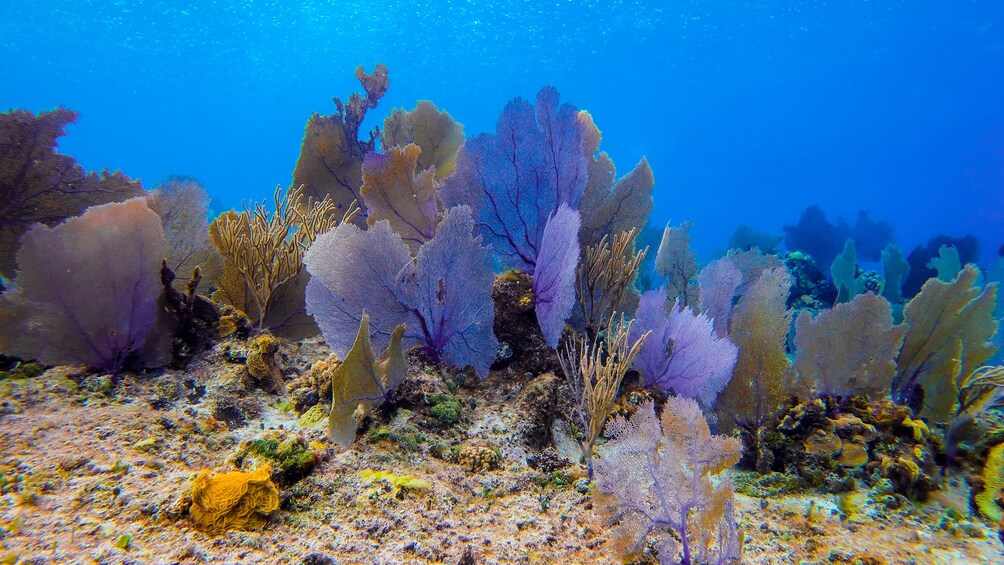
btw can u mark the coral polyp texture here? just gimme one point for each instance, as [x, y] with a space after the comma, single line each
[439, 349]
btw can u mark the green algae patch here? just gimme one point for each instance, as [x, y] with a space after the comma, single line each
[291, 457]
[447, 409]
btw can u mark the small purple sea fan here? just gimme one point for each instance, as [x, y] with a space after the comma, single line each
[683, 353]
[554, 277]
[719, 281]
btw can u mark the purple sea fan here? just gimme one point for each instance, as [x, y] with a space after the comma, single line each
[719, 281]
[554, 278]
[448, 289]
[351, 271]
[516, 178]
[683, 353]
[88, 290]
[664, 486]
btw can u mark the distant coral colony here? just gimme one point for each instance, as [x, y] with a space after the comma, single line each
[516, 253]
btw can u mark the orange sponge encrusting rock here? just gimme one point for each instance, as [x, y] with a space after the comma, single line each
[233, 500]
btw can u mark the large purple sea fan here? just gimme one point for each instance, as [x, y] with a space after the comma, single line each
[516, 178]
[443, 295]
[683, 352]
[554, 278]
[448, 291]
[88, 289]
[351, 271]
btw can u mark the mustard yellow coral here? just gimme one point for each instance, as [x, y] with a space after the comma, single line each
[233, 500]
[261, 362]
[993, 482]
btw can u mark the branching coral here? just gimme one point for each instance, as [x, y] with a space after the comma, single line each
[331, 157]
[594, 370]
[605, 278]
[980, 390]
[39, 185]
[264, 250]
[658, 478]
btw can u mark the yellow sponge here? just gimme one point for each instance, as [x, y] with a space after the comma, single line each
[993, 482]
[233, 500]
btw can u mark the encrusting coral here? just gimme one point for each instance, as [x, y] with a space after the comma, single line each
[990, 501]
[233, 501]
[261, 363]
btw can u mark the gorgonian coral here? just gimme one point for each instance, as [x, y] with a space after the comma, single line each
[444, 295]
[659, 480]
[331, 156]
[88, 289]
[682, 353]
[515, 178]
[41, 186]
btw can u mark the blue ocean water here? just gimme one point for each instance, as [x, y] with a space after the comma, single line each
[748, 112]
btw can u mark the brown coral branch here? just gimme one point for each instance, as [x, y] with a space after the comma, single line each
[606, 277]
[594, 370]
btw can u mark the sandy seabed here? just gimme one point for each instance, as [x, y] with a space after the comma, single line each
[95, 472]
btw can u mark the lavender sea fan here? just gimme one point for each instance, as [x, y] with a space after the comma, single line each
[661, 475]
[683, 353]
[719, 280]
[448, 291]
[516, 178]
[554, 278]
[353, 270]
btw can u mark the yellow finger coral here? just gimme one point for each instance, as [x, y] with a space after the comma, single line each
[234, 500]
